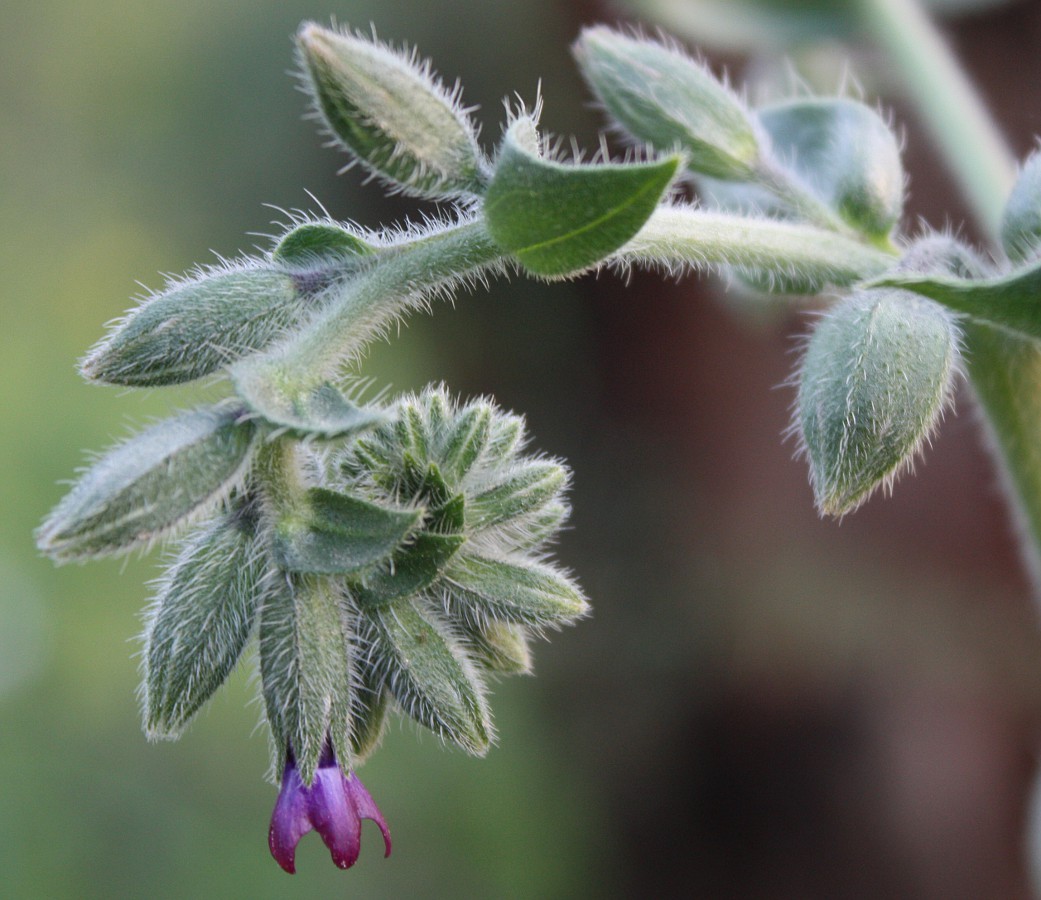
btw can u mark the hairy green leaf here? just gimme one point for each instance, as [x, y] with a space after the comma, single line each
[149, 484]
[558, 220]
[332, 533]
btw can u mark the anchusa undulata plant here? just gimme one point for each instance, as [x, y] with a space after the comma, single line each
[392, 555]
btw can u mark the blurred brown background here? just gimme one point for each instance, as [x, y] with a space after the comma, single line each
[764, 705]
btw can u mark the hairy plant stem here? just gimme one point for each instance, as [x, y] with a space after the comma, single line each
[1005, 371]
[685, 236]
[276, 468]
[406, 275]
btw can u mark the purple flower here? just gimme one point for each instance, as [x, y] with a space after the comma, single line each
[334, 806]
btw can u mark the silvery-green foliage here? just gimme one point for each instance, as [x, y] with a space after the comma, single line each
[664, 98]
[305, 669]
[559, 220]
[474, 581]
[202, 616]
[844, 154]
[1021, 223]
[873, 382]
[151, 483]
[390, 114]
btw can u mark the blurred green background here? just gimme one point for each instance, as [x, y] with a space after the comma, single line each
[762, 705]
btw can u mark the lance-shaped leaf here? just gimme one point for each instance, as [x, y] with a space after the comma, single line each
[319, 242]
[151, 483]
[409, 571]
[333, 533]
[391, 114]
[201, 619]
[523, 592]
[465, 442]
[430, 676]
[873, 382]
[558, 220]
[522, 492]
[199, 326]
[663, 97]
[305, 647]
[500, 647]
[846, 154]
[1012, 302]
[306, 410]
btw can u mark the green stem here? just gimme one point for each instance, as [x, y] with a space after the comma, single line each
[686, 236]
[406, 276]
[948, 103]
[1005, 371]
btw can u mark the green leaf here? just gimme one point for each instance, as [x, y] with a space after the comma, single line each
[198, 327]
[151, 483]
[334, 533]
[432, 680]
[466, 441]
[305, 649]
[319, 410]
[201, 619]
[873, 382]
[558, 220]
[315, 242]
[524, 593]
[411, 569]
[1011, 302]
[664, 98]
[390, 114]
[523, 492]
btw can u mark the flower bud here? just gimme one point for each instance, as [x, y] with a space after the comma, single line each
[846, 154]
[666, 99]
[388, 112]
[872, 384]
[1021, 222]
[197, 327]
[151, 483]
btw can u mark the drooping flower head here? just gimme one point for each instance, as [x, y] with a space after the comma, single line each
[333, 805]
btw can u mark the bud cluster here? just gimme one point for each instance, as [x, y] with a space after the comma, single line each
[395, 555]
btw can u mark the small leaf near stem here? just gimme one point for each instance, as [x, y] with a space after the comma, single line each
[559, 220]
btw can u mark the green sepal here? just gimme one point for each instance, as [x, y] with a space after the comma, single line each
[369, 713]
[318, 242]
[559, 220]
[333, 533]
[198, 327]
[430, 676]
[464, 445]
[523, 492]
[527, 593]
[1011, 302]
[146, 486]
[390, 114]
[873, 382]
[500, 647]
[305, 650]
[320, 411]
[411, 569]
[664, 98]
[201, 619]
